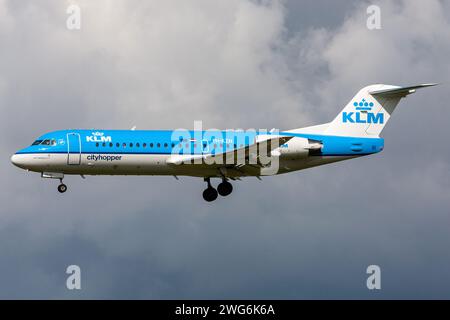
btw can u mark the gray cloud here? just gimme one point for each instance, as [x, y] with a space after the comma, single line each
[245, 64]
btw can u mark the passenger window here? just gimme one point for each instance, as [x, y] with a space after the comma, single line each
[137, 145]
[131, 145]
[165, 145]
[97, 144]
[158, 145]
[151, 145]
[144, 145]
[110, 144]
[173, 144]
[104, 144]
[124, 145]
[117, 144]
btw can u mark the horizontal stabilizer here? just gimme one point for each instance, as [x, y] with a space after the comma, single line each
[391, 91]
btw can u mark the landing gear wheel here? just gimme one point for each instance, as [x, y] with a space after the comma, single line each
[225, 188]
[62, 188]
[210, 194]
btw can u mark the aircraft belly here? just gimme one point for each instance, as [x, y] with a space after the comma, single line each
[118, 164]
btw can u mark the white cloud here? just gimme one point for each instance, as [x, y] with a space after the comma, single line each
[154, 65]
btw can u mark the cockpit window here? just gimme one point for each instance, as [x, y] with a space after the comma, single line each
[49, 142]
[36, 142]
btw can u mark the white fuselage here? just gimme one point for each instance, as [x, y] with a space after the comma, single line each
[290, 159]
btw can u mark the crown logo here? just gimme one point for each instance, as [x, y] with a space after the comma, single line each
[363, 105]
[97, 134]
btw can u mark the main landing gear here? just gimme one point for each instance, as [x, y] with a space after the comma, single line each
[210, 194]
[62, 187]
[224, 189]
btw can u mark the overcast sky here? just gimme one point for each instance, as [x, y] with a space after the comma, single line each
[232, 64]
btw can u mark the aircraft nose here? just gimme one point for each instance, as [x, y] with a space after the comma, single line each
[15, 159]
[18, 160]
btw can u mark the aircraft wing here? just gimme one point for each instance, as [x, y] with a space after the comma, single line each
[237, 157]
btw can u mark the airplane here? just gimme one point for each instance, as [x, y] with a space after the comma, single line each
[355, 132]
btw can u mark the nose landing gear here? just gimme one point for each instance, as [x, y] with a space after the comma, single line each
[56, 175]
[62, 187]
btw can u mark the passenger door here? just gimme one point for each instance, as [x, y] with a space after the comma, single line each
[73, 148]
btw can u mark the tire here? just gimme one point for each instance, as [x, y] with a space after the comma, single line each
[225, 188]
[210, 194]
[62, 188]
